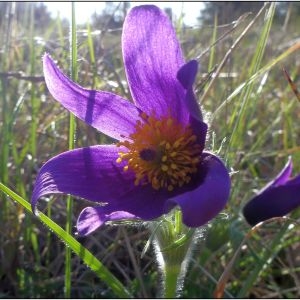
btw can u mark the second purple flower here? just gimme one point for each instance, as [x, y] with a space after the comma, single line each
[276, 199]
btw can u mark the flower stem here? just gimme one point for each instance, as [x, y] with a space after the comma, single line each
[173, 243]
[171, 273]
[178, 222]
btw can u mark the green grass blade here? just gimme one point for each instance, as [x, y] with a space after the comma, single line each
[4, 139]
[34, 103]
[240, 112]
[255, 76]
[87, 257]
[267, 257]
[5, 128]
[213, 41]
[72, 133]
[92, 55]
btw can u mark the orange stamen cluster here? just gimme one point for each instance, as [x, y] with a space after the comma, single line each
[161, 152]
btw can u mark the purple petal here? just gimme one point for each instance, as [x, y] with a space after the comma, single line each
[105, 111]
[294, 181]
[186, 75]
[92, 218]
[200, 130]
[152, 58]
[274, 202]
[284, 175]
[93, 174]
[142, 201]
[90, 173]
[210, 196]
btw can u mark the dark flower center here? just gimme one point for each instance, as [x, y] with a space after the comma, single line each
[147, 154]
[162, 152]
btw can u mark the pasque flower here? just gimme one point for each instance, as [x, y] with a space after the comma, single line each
[276, 199]
[158, 160]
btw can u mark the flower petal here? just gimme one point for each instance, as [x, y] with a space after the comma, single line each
[274, 202]
[90, 173]
[294, 181]
[152, 58]
[284, 175]
[105, 111]
[142, 201]
[209, 197]
[93, 174]
[92, 218]
[200, 130]
[186, 75]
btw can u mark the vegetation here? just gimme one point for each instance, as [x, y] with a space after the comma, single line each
[253, 116]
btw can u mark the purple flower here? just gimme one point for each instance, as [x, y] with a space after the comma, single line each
[158, 161]
[276, 199]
